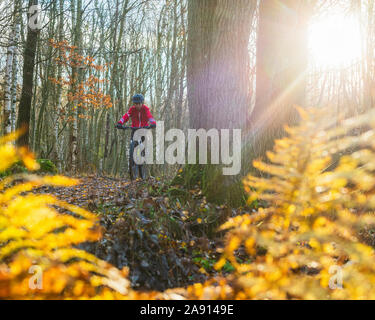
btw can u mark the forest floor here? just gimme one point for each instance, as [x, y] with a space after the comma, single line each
[167, 236]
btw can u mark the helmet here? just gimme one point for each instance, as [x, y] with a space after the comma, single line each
[138, 98]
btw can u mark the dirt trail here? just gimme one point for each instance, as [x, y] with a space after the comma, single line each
[93, 190]
[163, 241]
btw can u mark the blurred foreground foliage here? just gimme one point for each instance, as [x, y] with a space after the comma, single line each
[309, 242]
[38, 254]
[319, 184]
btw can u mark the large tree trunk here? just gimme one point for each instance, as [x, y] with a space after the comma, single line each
[28, 77]
[218, 59]
[280, 70]
[218, 75]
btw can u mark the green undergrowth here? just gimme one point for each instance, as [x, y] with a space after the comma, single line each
[46, 167]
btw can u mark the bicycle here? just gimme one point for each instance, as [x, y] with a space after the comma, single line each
[135, 170]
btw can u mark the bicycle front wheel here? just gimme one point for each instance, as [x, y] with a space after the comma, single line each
[133, 168]
[143, 171]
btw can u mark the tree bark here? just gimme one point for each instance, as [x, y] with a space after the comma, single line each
[28, 75]
[280, 71]
[218, 76]
[58, 142]
[8, 86]
[76, 79]
[17, 27]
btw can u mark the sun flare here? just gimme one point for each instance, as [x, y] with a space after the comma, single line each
[335, 41]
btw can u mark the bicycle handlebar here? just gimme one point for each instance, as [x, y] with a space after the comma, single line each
[125, 128]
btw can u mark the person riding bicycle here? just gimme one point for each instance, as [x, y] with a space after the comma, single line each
[141, 117]
[139, 114]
